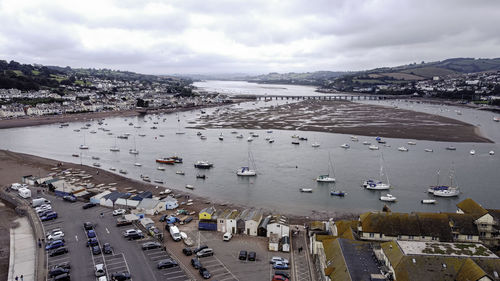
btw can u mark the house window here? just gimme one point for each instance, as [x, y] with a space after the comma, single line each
[380, 235]
[411, 237]
[221, 221]
[455, 236]
[372, 235]
[469, 237]
[434, 238]
[482, 234]
[483, 225]
[400, 237]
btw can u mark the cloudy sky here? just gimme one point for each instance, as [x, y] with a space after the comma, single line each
[252, 36]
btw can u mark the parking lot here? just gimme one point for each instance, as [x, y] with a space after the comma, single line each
[225, 265]
[126, 255]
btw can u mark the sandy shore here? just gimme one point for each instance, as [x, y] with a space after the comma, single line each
[346, 117]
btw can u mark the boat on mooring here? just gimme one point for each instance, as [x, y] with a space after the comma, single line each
[337, 193]
[306, 190]
[388, 198]
[203, 165]
[428, 201]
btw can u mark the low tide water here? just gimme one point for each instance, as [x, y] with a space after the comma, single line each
[282, 167]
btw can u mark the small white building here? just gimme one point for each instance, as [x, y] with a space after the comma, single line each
[274, 242]
[231, 220]
[170, 203]
[252, 221]
[96, 199]
[147, 222]
[278, 224]
[151, 206]
[126, 203]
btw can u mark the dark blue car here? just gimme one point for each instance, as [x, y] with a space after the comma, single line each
[91, 233]
[54, 245]
[49, 216]
[92, 242]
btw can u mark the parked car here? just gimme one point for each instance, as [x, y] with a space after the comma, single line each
[55, 236]
[227, 236]
[188, 220]
[162, 218]
[279, 278]
[69, 198]
[88, 225]
[92, 242]
[243, 255]
[89, 205]
[276, 259]
[196, 263]
[65, 265]
[58, 251]
[187, 251]
[280, 265]
[62, 277]
[205, 253]
[123, 222]
[53, 231]
[131, 231]
[118, 212]
[151, 245]
[204, 273]
[252, 256]
[57, 271]
[120, 276]
[282, 273]
[99, 270]
[135, 236]
[54, 245]
[49, 216]
[106, 249]
[91, 233]
[200, 248]
[96, 250]
[166, 263]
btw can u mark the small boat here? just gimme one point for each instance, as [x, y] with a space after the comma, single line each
[161, 136]
[161, 168]
[428, 201]
[271, 141]
[180, 133]
[137, 164]
[165, 160]
[345, 145]
[302, 138]
[76, 130]
[122, 137]
[306, 190]
[234, 132]
[367, 143]
[75, 155]
[373, 147]
[142, 135]
[203, 165]
[402, 148]
[246, 171]
[180, 173]
[435, 188]
[82, 146]
[96, 164]
[93, 132]
[123, 172]
[239, 136]
[249, 139]
[112, 169]
[154, 128]
[146, 179]
[158, 181]
[201, 177]
[412, 143]
[203, 137]
[295, 137]
[221, 137]
[254, 135]
[388, 198]
[451, 148]
[353, 138]
[325, 178]
[376, 185]
[114, 149]
[137, 127]
[199, 134]
[337, 193]
[496, 119]
[315, 144]
[295, 142]
[428, 150]
[450, 192]
[95, 158]
[492, 152]
[133, 151]
[269, 131]
[176, 159]
[472, 152]
[188, 186]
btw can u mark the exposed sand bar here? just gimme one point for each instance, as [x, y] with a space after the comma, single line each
[346, 117]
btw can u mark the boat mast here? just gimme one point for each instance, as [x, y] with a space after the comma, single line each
[382, 169]
[330, 165]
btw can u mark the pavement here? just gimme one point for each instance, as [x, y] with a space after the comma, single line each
[22, 251]
[300, 259]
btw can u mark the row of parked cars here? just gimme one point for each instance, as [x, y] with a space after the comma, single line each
[56, 246]
[200, 252]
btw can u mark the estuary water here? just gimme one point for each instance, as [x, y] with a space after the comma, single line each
[282, 168]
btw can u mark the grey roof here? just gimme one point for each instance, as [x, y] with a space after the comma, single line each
[359, 259]
[113, 196]
[263, 223]
[148, 203]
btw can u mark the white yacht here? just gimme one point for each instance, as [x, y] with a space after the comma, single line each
[315, 144]
[472, 152]
[402, 148]
[373, 147]
[388, 198]
[345, 145]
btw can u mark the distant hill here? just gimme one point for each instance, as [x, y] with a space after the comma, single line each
[317, 78]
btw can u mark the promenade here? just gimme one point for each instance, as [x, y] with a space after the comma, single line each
[22, 251]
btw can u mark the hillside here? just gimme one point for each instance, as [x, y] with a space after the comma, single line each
[316, 78]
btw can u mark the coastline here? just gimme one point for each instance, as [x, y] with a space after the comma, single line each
[14, 165]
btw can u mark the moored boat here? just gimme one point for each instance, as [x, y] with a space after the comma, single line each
[246, 171]
[158, 181]
[402, 148]
[180, 173]
[428, 150]
[325, 178]
[492, 152]
[203, 165]
[451, 148]
[188, 186]
[165, 160]
[388, 198]
[306, 190]
[123, 172]
[137, 164]
[345, 145]
[96, 164]
[450, 192]
[375, 185]
[201, 177]
[295, 142]
[472, 152]
[428, 201]
[315, 144]
[112, 169]
[373, 147]
[337, 193]
[161, 168]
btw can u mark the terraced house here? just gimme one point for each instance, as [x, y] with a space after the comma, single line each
[487, 221]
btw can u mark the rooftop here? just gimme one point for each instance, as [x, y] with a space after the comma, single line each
[445, 249]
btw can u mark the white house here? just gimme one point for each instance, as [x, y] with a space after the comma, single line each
[278, 224]
[252, 221]
[221, 220]
[151, 206]
[231, 220]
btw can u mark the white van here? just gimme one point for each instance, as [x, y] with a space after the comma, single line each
[39, 201]
[24, 192]
[227, 236]
[175, 233]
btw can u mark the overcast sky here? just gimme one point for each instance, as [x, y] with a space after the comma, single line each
[224, 36]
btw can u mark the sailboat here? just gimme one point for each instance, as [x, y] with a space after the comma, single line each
[114, 148]
[246, 171]
[327, 177]
[378, 185]
[84, 146]
[445, 190]
[133, 150]
[179, 132]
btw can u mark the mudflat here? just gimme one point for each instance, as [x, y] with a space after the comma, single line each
[346, 117]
